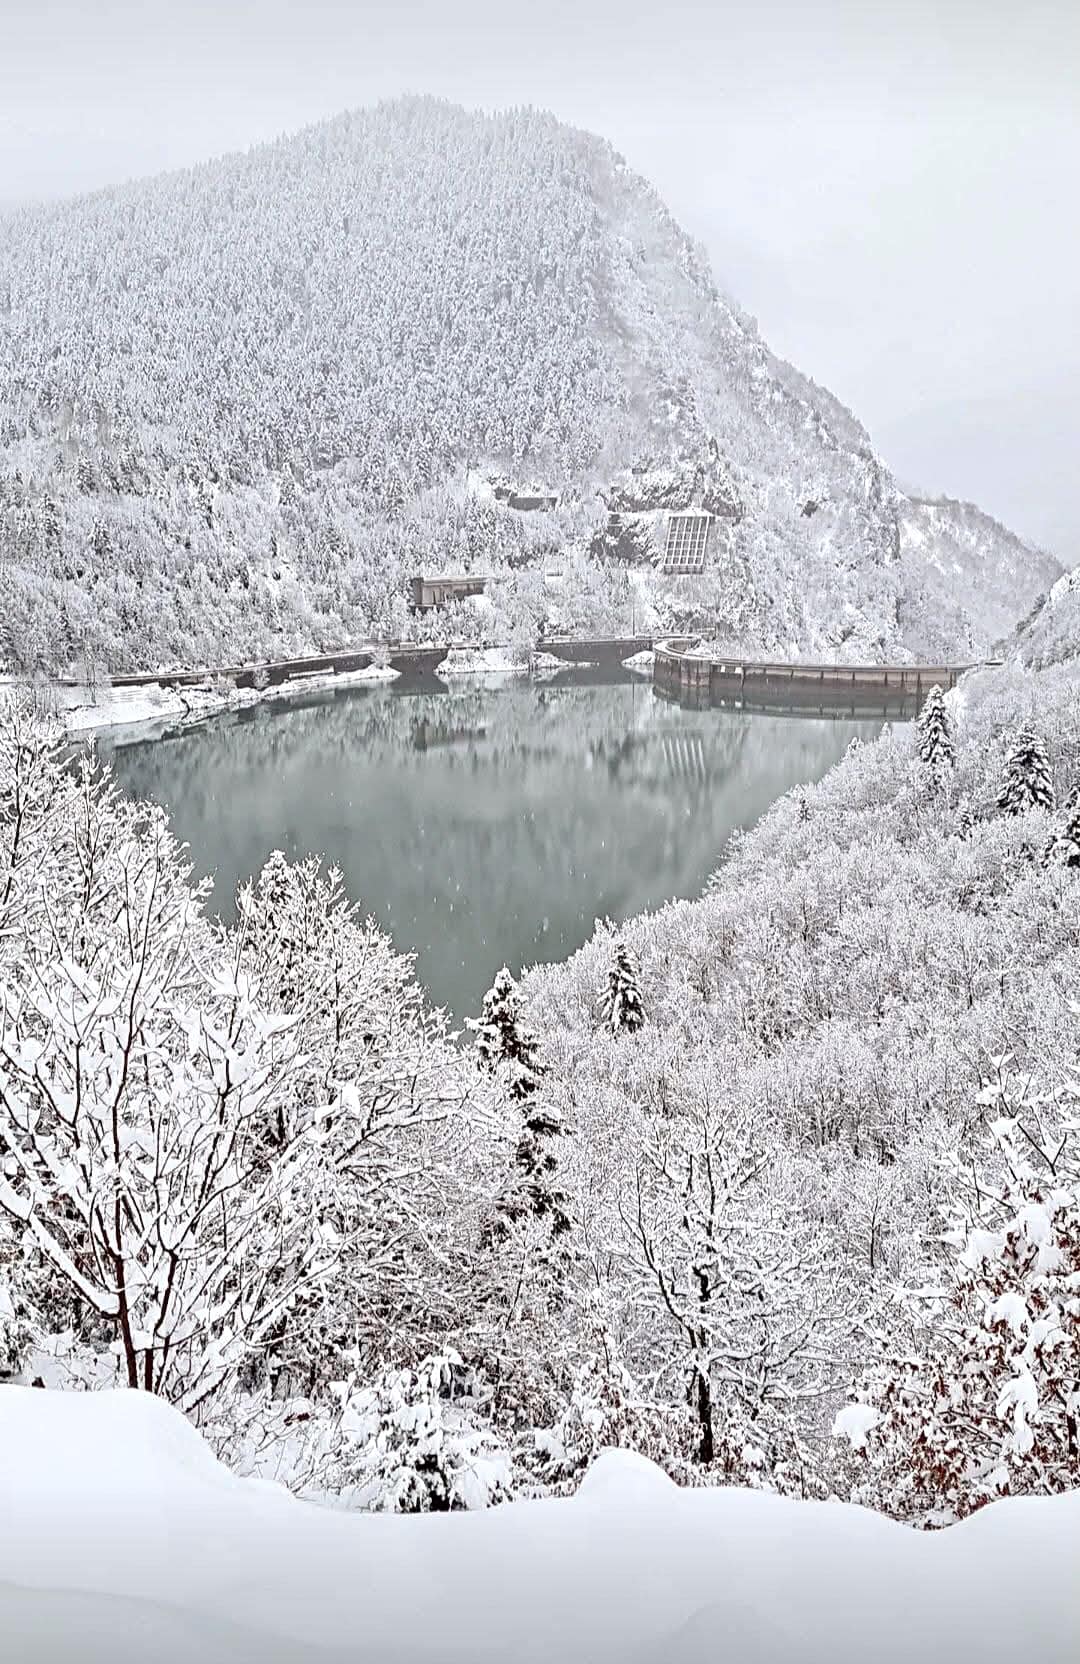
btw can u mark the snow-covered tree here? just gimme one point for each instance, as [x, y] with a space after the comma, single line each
[414, 1444]
[934, 736]
[738, 1281]
[398, 1112]
[1063, 850]
[985, 1399]
[1027, 782]
[137, 1076]
[228, 1157]
[16, 1331]
[621, 1006]
[503, 1039]
[508, 1048]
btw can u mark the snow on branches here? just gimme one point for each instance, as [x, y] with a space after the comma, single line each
[621, 1007]
[227, 1156]
[508, 1048]
[1026, 782]
[985, 1401]
[417, 1441]
[934, 736]
[737, 1279]
[503, 1038]
[1063, 850]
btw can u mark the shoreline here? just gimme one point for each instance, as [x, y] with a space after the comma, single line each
[84, 710]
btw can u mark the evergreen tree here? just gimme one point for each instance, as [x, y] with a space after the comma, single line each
[621, 1005]
[502, 1037]
[1027, 781]
[536, 1191]
[934, 737]
[504, 1043]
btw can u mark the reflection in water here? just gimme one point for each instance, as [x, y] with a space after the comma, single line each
[480, 825]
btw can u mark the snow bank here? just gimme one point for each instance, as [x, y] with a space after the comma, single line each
[119, 1530]
[372, 673]
[641, 662]
[545, 664]
[84, 710]
[483, 661]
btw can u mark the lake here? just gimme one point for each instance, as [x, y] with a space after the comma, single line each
[480, 825]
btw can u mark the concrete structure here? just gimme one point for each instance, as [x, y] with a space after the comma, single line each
[692, 678]
[686, 544]
[428, 593]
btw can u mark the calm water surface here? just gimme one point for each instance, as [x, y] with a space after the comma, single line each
[480, 825]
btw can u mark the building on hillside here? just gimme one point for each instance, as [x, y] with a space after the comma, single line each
[526, 502]
[686, 543]
[438, 591]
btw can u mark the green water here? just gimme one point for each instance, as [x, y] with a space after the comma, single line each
[480, 825]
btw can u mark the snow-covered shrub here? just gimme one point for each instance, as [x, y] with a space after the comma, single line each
[984, 1400]
[1063, 848]
[418, 1440]
[16, 1336]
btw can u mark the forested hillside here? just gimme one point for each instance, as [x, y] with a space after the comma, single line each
[241, 405]
[796, 1156]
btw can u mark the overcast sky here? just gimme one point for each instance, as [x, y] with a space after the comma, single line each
[890, 188]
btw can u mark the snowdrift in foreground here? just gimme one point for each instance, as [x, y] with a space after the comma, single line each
[121, 1538]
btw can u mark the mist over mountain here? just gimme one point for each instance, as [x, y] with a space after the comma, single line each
[241, 406]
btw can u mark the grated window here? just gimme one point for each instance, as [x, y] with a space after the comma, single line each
[687, 539]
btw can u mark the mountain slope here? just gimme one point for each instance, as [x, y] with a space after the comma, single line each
[1050, 633]
[967, 579]
[240, 405]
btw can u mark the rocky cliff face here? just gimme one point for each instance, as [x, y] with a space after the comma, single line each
[240, 405]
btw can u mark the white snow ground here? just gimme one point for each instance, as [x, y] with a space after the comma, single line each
[122, 1539]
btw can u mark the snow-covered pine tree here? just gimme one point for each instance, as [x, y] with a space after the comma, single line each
[933, 733]
[1063, 850]
[1027, 782]
[503, 1038]
[536, 1170]
[505, 1044]
[621, 1005]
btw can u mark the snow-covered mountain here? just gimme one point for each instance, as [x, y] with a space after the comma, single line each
[967, 579]
[1050, 633]
[241, 405]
